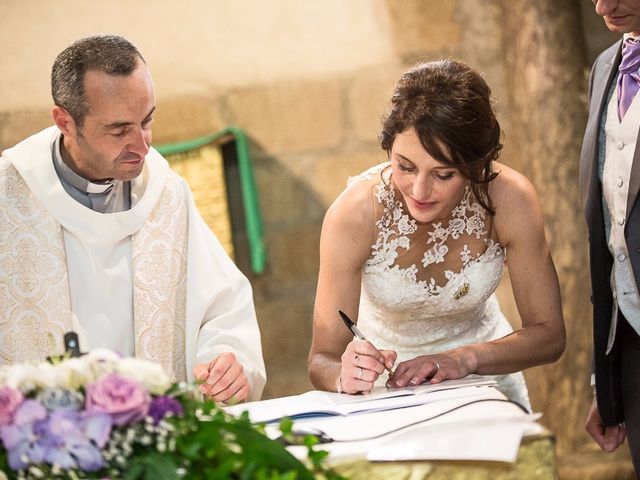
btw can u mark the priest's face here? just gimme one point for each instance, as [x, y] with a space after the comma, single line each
[115, 136]
[620, 16]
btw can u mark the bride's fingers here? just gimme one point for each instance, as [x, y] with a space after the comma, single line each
[439, 374]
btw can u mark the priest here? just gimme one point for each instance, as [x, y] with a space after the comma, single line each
[99, 236]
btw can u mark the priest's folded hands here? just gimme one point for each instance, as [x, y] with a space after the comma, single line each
[223, 379]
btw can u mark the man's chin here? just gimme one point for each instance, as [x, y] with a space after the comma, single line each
[130, 170]
[622, 25]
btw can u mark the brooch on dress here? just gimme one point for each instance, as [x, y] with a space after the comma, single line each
[462, 291]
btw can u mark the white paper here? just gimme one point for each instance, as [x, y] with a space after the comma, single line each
[316, 404]
[454, 429]
[384, 392]
[496, 441]
[444, 407]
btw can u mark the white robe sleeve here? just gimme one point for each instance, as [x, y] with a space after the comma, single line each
[220, 312]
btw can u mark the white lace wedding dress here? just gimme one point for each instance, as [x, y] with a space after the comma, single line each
[427, 288]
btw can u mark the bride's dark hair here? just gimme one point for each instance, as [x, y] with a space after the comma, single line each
[449, 106]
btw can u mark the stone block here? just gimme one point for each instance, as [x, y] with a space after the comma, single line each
[181, 118]
[329, 174]
[286, 327]
[424, 28]
[293, 253]
[482, 36]
[16, 126]
[284, 198]
[482, 47]
[368, 97]
[286, 380]
[290, 117]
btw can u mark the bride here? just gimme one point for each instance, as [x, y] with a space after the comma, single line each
[413, 250]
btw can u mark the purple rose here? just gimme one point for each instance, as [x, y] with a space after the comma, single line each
[163, 406]
[124, 399]
[10, 400]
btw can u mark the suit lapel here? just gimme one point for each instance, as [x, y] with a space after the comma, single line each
[603, 74]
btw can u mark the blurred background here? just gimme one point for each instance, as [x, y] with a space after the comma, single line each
[308, 82]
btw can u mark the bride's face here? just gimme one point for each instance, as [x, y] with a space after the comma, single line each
[429, 188]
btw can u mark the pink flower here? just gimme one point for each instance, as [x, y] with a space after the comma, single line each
[124, 399]
[10, 400]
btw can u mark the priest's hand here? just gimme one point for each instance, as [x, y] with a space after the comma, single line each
[223, 379]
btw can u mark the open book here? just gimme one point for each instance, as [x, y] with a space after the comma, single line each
[482, 425]
[317, 403]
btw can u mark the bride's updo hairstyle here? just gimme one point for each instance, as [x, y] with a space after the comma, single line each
[449, 106]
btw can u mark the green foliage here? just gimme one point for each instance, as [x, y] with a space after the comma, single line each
[220, 446]
[4, 466]
[211, 445]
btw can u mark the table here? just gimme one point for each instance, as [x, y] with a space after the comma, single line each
[536, 461]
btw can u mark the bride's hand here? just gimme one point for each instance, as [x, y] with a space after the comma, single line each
[362, 364]
[435, 368]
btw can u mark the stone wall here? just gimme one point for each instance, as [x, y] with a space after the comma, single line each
[308, 82]
[547, 130]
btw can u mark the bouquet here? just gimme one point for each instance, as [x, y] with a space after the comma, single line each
[101, 416]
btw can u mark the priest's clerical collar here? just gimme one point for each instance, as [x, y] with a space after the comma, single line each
[73, 178]
[104, 197]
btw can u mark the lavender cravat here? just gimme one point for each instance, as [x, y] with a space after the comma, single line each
[628, 78]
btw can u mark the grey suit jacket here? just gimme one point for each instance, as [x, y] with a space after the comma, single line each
[607, 367]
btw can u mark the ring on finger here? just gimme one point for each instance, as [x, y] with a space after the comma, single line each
[437, 367]
[360, 373]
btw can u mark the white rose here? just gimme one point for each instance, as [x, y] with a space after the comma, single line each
[148, 374]
[27, 377]
[101, 362]
[73, 373]
[102, 355]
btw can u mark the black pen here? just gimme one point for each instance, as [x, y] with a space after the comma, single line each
[357, 333]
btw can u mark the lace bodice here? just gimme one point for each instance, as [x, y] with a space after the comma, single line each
[428, 288]
[443, 268]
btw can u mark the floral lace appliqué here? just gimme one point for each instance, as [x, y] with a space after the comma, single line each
[467, 217]
[395, 226]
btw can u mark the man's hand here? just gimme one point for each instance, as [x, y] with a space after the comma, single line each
[608, 438]
[223, 379]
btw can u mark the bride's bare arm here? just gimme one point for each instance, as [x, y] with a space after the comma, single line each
[345, 244]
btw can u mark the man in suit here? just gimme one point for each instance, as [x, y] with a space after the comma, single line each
[609, 184]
